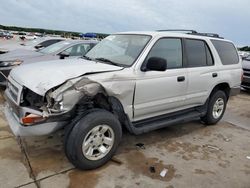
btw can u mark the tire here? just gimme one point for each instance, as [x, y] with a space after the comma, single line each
[91, 127]
[211, 117]
[68, 128]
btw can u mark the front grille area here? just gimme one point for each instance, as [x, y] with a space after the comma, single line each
[247, 84]
[246, 72]
[13, 90]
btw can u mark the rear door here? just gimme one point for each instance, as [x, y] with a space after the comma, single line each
[202, 72]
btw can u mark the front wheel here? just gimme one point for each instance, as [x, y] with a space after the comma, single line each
[216, 108]
[93, 140]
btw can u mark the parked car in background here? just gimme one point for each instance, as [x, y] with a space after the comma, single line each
[246, 73]
[35, 44]
[60, 50]
[139, 81]
[28, 37]
[6, 35]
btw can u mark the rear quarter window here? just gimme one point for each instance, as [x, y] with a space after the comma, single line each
[226, 51]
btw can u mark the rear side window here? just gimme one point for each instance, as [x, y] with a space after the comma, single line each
[198, 53]
[226, 51]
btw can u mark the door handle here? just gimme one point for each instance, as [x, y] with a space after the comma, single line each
[214, 75]
[181, 78]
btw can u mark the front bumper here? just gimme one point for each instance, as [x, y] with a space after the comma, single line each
[13, 112]
[35, 130]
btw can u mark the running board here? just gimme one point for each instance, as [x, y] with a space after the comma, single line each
[158, 122]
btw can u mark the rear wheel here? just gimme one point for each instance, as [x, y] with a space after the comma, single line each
[93, 140]
[216, 108]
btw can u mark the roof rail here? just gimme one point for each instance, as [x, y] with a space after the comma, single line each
[214, 35]
[187, 30]
[193, 32]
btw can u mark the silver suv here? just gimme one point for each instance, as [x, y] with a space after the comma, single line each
[140, 81]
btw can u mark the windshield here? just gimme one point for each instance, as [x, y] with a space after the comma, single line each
[121, 49]
[54, 47]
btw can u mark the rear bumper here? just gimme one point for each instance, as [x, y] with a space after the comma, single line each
[234, 91]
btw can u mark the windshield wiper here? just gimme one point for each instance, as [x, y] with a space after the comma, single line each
[107, 61]
[86, 57]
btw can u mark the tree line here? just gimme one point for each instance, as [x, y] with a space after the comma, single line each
[47, 31]
[245, 48]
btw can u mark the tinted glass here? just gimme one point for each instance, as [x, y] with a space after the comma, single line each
[196, 53]
[209, 56]
[78, 50]
[49, 42]
[226, 51]
[170, 50]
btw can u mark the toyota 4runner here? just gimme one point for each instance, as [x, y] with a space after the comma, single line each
[140, 81]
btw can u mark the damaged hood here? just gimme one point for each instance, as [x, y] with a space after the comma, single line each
[42, 76]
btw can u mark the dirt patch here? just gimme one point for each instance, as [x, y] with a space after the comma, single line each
[6, 128]
[224, 164]
[247, 172]
[9, 153]
[83, 179]
[190, 151]
[173, 146]
[203, 172]
[150, 167]
[47, 159]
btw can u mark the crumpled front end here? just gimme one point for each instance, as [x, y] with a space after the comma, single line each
[31, 114]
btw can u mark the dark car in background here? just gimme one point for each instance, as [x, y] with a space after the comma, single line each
[246, 73]
[35, 44]
[60, 50]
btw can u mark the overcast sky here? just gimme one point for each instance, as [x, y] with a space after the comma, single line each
[229, 18]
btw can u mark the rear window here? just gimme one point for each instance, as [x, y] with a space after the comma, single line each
[226, 51]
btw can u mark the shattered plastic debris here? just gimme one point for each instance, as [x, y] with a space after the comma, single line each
[152, 169]
[248, 157]
[212, 147]
[140, 145]
[163, 172]
[227, 139]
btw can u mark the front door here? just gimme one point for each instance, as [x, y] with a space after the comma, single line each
[161, 92]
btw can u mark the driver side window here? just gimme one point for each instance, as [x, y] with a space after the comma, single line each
[169, 49]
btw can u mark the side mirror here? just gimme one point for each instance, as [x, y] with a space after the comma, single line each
[38, 46]
[156, 64]
[63, 55]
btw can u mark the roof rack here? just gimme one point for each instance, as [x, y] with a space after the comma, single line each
[193, 32]
[190, 31]
[214, 35]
